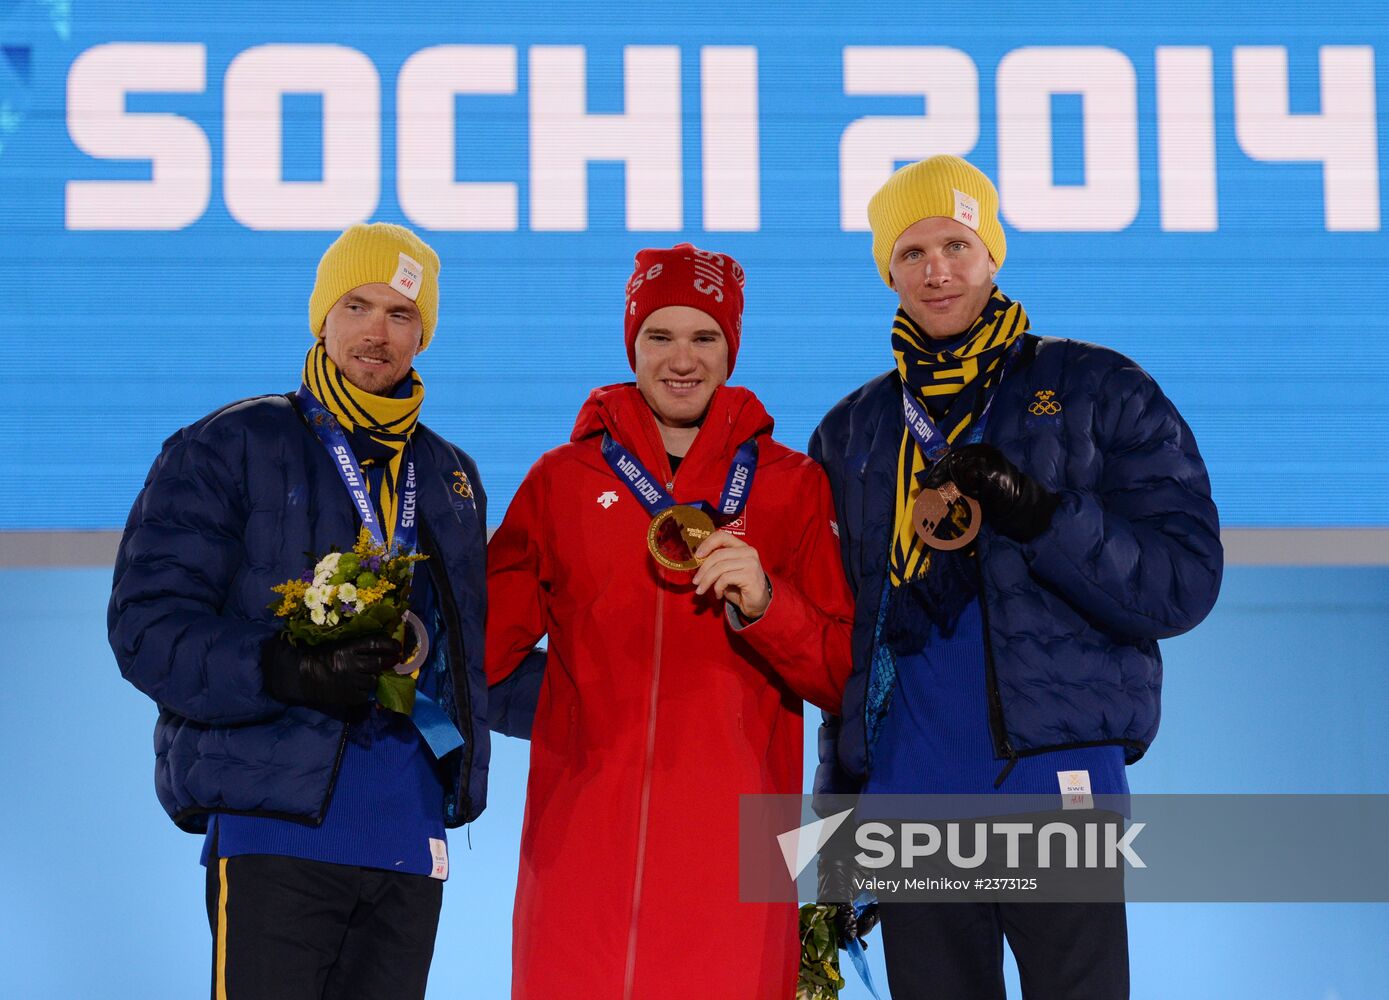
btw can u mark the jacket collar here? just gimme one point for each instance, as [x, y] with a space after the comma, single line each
[735, 414]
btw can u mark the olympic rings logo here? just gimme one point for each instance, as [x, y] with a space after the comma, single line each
[1045, 406]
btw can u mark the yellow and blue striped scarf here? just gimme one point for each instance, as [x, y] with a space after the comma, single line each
[960, 378]
[386, 421]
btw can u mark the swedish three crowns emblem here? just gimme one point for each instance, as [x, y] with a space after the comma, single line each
[1045, 405]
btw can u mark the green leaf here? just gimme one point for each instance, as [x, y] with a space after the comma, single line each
[818, 978]
[384, 618]
[396, 692]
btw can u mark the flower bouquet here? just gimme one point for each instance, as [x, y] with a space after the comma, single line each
[819, 977]
[350, 594]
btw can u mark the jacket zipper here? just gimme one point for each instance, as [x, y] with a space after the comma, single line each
[996, 723]
[629, 976]
[333, 778]
[458, 656]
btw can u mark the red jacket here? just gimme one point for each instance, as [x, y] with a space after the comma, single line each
[654, 714]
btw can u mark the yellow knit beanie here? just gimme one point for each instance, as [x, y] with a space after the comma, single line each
[944, 186]
[379, 252]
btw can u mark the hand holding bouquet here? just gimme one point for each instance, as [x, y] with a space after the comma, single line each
[347, 595]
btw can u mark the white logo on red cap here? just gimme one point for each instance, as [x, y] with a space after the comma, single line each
[650, 274]
[708, 269]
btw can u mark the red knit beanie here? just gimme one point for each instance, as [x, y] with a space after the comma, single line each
[684, 275]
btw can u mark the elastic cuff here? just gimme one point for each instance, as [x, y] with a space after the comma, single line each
[736, 621]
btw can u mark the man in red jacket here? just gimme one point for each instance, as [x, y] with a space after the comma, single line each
[686, 569]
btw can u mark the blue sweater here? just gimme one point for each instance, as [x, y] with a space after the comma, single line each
[936, 738]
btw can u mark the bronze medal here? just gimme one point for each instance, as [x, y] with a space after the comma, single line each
[421, 653]
[674, 535]
[932, 511]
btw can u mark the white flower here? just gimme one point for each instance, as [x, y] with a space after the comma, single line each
[328, 564]
[313, 597]
[347, 593]
[359, 606]
[333, 618]
[318, 616]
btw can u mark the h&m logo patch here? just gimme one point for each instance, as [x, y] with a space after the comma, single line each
[408, 275]
[1045, 405]
[966, 209]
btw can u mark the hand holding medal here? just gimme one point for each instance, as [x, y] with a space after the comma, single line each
[682, 536]
[945, 517]
[732, 569]
[1017, 505]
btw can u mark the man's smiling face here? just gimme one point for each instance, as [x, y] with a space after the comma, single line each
[943, 276]
[681, 358]
[373, 334]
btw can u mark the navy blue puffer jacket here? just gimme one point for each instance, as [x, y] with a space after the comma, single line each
[1072, 618]
[234, 504]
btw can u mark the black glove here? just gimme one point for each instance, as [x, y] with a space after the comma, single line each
[1013, 502]
[336, 675]
[835, 880]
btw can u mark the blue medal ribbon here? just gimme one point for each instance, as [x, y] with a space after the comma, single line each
[406, 531]
[330, 434]
[651, 495]
[432, 722]
[854, 947]
[929, 437]
[434, 725]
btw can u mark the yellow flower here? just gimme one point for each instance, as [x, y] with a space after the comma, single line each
[364, 546]
[833, 974]
[293, 593]
[370, 595]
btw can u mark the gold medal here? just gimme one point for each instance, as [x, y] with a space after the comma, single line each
[674, 535]
[932, 511]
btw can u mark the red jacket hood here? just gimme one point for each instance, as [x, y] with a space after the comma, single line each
[735, 414]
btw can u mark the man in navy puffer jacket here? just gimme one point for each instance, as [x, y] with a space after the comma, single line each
[323, 813]
[1027, 660]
